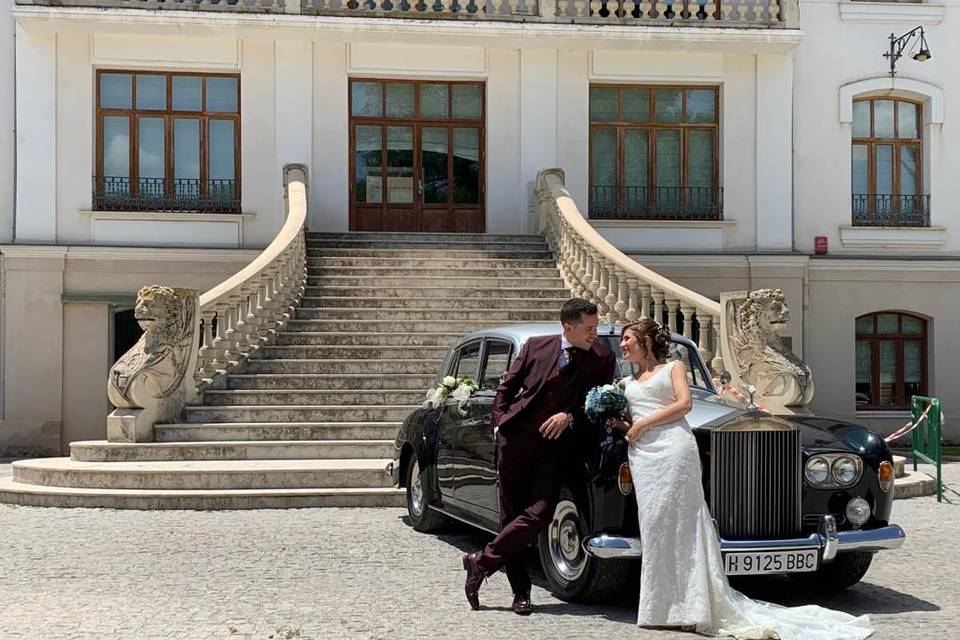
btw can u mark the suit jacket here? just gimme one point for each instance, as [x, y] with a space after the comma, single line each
[530, 369]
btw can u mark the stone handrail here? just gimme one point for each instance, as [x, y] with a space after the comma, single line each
[624, 290]
[242, 313]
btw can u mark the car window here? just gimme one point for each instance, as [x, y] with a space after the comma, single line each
[496, 362]
[468, 361]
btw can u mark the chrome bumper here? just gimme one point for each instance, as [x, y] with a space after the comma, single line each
[827, 539]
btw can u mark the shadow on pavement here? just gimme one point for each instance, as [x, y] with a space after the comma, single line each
[862, 598]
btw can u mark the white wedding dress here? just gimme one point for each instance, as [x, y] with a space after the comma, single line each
[682, 580]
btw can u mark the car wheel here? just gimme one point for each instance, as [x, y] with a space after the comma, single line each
[573, 574]
[419, 496]
[845, 571]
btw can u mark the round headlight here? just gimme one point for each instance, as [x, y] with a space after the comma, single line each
[817, 471]
[844, 470]
[858, 511]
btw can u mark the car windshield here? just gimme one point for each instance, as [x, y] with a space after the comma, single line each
[696, 375]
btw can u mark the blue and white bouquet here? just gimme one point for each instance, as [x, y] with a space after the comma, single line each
[605, 402]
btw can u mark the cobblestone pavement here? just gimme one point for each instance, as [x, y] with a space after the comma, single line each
[314, 574]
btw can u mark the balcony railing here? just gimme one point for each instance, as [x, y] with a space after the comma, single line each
[656, 203]
[112, 193]
[706, 13]
[883, 210]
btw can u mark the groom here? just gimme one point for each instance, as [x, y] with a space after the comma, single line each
[539, 421]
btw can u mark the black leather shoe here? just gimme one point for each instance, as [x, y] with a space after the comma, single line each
[474, 579]
[522, 605]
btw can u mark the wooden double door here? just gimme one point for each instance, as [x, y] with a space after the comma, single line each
[417, 156]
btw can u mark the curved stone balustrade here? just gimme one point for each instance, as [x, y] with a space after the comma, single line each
[623, 289]
[732, 13]
[239, 315]
[469, 9]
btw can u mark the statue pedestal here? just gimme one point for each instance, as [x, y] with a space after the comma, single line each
[129, 425]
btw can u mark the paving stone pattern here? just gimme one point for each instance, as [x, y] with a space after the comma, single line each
[312, 574]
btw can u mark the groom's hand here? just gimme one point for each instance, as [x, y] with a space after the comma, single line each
[554, 426]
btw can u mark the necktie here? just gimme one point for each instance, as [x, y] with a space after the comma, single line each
[566, 358]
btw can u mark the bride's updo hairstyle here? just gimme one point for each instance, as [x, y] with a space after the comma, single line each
[659, 336]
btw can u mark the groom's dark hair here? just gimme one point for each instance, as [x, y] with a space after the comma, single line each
[573, 308]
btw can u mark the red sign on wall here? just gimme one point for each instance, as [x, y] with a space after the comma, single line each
[820, 245]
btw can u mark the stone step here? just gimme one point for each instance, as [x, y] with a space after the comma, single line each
[397, 325]
[899, 466]
[206, 474]
[531, 253]
[442, 281]
[327, 397]
[322, 263]
[395, 236]
[305, 316]
[322, 274]
[535, 244]
[291, 366]
[349, 352]
[423, 339]
[486, 293]
[298, 413]
[247, 431]
[914, 484]
[418, 381]
[103, 451]
[373, 301]
[40, 496]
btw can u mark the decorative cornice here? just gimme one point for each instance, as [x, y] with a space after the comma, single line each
[51, 252]
[924, 13]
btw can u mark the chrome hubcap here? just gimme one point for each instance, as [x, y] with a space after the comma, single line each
[566, 552]
[416, 491]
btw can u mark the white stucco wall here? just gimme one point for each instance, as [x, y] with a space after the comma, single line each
[846, 46]
[7, 120]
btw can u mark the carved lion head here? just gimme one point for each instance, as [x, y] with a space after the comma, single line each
[765, 311]
[163, 314]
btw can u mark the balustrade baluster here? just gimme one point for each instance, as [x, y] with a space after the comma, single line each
[742, 9]
[205, 353]
[230, 352]
[717, 363]
[657, 305]
[646, 298]
[632, 313]
[703, 345]
[595, 278]
[647, 8]
[602, 290]
[594, 9]
[726, 9]
[672, 307]
[687, 312]
[620, 306]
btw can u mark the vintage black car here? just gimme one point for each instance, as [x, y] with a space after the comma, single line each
[806, 496]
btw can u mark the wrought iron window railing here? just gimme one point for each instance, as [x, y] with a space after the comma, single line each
[884, 210]
[656, 203]
[111, 193]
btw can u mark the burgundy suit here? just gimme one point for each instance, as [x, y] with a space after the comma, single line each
[532, 468]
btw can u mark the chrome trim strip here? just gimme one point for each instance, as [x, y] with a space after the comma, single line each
[890, 537]
[461, 519]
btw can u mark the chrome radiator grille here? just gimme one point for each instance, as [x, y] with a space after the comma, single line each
[755, 476]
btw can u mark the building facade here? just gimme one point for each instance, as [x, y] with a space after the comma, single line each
[713, 142]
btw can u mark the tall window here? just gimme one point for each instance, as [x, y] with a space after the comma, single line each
[887, 164]
[653, 152]
[167, 142]
[891, 360]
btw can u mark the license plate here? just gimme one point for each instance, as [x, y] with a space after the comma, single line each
[740, 563]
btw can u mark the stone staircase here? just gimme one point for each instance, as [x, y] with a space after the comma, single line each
[310, 419]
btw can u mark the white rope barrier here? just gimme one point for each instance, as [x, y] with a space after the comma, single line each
[910, 426]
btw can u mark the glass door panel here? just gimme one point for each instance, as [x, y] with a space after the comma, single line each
[887, 360]
[116, 156]
[466, 165]
[635, 166]
[603, 169]
[400, 165]
[221, 170]
[186, 158]
[667, 170]
[700, 195]
[368, 183]
[434, 161]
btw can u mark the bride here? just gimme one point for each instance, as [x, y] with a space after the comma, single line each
[682, 580]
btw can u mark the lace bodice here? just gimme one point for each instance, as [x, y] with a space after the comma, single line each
[652, 394]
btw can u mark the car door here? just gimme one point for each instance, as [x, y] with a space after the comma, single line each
[464, 364]
[477, 456]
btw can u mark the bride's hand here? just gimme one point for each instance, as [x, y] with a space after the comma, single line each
[635, 432]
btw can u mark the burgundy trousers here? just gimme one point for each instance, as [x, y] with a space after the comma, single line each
[530, 478]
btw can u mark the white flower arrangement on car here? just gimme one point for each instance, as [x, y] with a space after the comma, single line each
[459, 389]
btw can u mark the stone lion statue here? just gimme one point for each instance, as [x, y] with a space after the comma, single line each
[755, 352]
[152, 372]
